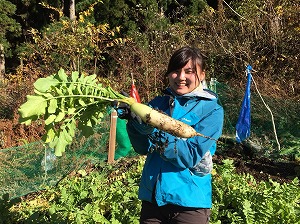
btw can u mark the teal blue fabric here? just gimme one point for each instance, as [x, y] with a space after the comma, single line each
[170, 160]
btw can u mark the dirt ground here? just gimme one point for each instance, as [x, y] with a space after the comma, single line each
[261, 169]
[12, 133]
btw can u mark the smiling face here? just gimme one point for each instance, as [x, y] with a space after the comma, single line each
[186, 79]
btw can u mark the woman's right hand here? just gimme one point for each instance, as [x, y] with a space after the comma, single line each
[124, 112]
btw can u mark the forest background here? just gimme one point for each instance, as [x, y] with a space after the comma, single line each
[120, 39]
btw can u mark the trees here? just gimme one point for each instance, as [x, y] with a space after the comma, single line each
[72, 10]
[248, 31]
[70, 44]
[2, 62]
[9, 29]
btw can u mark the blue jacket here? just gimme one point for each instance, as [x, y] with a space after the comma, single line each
[177, 169]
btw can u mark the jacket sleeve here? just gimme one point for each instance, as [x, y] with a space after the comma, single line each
[139, 136]
[186, 153]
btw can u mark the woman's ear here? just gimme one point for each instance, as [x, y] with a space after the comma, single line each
[202, 75]
[200, 72]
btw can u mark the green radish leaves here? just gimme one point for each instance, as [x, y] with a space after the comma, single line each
[67, 103]
[35, 105]
[43, 84]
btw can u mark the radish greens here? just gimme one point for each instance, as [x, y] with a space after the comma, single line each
[66, 103]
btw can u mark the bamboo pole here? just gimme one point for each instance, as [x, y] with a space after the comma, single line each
[112, 136]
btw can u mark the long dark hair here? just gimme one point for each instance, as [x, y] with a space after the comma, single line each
[181, 57]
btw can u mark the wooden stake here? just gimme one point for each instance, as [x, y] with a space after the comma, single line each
[112, 136]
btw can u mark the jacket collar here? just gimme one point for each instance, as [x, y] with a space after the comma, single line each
[205, 93]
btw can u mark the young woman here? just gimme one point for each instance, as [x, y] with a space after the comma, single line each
[176, 181]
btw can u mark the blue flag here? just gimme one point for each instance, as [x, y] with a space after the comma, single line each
[244, 120]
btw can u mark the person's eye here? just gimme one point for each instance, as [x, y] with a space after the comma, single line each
[189, 72]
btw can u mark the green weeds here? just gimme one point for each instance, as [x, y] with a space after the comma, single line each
[241, 199]
[108, 194]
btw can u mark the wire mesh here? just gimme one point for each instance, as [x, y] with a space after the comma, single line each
[31, 167]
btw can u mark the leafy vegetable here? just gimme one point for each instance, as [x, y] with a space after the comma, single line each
[67, 103]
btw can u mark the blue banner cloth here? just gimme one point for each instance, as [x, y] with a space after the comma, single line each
[244, 121]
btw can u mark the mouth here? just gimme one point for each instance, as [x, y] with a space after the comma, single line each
[181, 84]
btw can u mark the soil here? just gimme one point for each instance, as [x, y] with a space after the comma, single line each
[262, 169]
[14, 134]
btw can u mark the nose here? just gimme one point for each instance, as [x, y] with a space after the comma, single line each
[181, 74]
